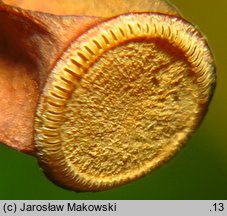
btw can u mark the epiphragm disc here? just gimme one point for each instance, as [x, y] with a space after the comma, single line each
[122, 100]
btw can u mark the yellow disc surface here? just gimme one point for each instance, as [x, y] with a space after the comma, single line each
[123, 98]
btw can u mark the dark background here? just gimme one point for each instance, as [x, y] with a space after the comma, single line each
[199, 171]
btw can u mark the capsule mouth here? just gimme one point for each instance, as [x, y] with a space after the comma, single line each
[123, 99]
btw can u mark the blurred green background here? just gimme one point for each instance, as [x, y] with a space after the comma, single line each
[198, 171]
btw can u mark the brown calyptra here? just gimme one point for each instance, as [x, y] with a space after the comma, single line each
[104, 96]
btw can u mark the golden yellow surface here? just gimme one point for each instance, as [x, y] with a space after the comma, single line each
[122, 100]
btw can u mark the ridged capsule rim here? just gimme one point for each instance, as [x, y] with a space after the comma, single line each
[76, 61]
